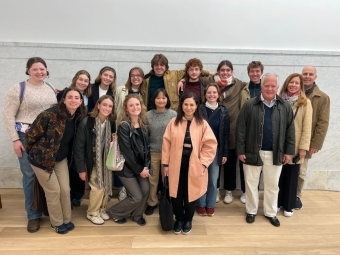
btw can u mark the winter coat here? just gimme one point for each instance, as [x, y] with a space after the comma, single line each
[320, 121]
[249, 131]
[84, 145]
[204, 147]
[224, 128]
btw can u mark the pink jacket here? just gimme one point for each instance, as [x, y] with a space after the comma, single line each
[204, 146]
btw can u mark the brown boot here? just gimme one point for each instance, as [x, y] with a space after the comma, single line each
[33, 225]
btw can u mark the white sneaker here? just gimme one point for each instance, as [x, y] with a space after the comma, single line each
[122, 194]
[278, 209]
[288, 214]
[104, 215]
[218, 196]
[243, 198]
[97, 220]
[228, 197]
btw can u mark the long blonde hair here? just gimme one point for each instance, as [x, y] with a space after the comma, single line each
[124, 115]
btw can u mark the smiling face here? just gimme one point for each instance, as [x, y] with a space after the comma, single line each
[269, 88]
[133, 107]
[309, 75]
[82, 82]
[105, 108]
[189, 107]
[72, 101]
[38, 72]
[294, 86]
[159, 69]
[212, 95]
[107, 78]
[255, 75]
[161, 101]
[225, 72]
[136, 78]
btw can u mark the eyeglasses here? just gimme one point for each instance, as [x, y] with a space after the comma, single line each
[135, 76]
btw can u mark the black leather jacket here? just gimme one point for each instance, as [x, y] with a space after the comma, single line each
[135, 149]
[84, 143]
[223, 135]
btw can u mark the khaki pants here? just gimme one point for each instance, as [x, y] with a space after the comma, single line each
[57, 192]
[271, 176]
[302, 177]
[156, 158]
[97, 200]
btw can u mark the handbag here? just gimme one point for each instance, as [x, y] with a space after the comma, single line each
[39, 200]
[166, 215]
[115, 160]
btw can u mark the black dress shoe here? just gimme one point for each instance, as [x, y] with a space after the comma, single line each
[274, 221]
[120, 221]
[178, 227]
[150, 209]
[187, 227]
[141, 222]
[250, 218]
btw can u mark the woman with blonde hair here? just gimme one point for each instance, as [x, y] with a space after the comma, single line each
[90, 152]
[134, 146]
[132, 86]
[293, 92]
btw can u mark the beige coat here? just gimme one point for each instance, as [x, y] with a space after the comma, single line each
[303, 127]
[204, 151]
[321, 108]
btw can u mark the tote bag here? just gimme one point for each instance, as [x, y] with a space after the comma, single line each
[115, 160]
[166, 216]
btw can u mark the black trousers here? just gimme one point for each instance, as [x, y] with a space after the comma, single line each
[230, 171]
[243, 186]
[77, 185]
[288, 186]
[183, 210]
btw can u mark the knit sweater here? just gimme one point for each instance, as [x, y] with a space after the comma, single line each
[157, 123]
[35, 100]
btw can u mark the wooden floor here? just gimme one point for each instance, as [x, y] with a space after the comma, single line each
[313, 230]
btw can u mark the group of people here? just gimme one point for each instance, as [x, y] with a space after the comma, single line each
[187, 125]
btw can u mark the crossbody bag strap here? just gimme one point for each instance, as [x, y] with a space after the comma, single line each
[297, 109]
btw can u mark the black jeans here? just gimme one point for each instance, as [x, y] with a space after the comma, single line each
[77, 185]
[230, 171]
[183, 210]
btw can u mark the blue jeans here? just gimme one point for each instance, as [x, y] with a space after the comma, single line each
[27, 181]
[209, 199]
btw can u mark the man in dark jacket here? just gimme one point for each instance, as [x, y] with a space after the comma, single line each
[265, 140]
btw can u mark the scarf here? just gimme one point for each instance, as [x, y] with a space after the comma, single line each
[292, 98]
[212, 107]
[104, 175]
[223, 83]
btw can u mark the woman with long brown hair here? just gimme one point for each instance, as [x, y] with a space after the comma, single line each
[293, 92]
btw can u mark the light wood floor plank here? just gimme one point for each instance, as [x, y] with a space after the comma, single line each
[313, 230]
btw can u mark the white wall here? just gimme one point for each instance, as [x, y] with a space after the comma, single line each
[242, 24]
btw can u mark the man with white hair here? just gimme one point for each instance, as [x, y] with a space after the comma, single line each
[265, 140]
[320, 121]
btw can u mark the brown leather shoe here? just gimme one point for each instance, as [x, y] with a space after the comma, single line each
[33, 225]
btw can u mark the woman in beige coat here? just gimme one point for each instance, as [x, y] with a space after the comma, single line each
[293, 92]
[189, 147]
